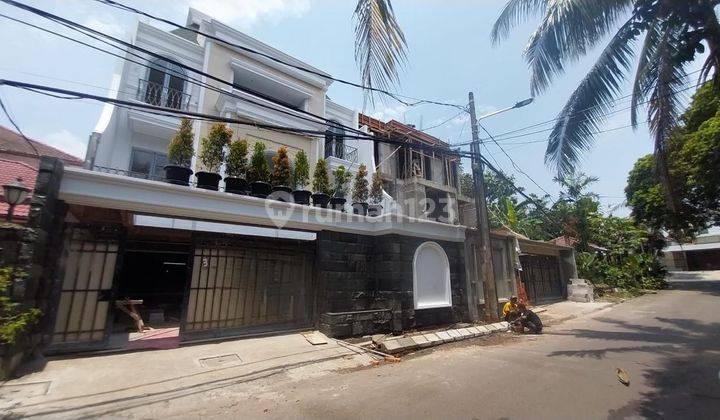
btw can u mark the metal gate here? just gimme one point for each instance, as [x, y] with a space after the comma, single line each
[83, 306]
[247, 287]
[541, 276]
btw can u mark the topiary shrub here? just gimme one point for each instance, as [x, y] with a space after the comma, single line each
[212, 147]
[259, 170]
[301, 173]
[360, 188]
[237, 158]
[282, 175]
[180, 149]
[342, 179]
[321, 179]
[376, 191]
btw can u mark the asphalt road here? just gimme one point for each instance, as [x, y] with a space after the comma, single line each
[668, 342]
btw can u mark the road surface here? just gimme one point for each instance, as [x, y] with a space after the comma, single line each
[668, 342]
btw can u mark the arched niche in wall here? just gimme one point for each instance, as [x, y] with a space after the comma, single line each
[431, 277]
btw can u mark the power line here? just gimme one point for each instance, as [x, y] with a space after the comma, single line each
[418, 101]
[463, 111]
[14, 124]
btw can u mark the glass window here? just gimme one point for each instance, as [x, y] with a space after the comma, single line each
[147, 164]
[335, 142]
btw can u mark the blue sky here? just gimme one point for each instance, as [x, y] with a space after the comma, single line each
[450, 53]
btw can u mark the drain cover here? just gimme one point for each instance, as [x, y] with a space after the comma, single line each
[216, 361]
[26, 390]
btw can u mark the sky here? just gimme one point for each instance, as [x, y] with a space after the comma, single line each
[449, 54]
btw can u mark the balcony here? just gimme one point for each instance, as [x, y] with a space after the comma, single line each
[159, 95]
[341, 150]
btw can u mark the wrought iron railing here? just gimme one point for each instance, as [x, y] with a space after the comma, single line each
[341, 150]
[156, 94]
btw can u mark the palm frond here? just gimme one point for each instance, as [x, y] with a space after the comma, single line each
[568, 30]
[583, 113]
[515, 12]
[642, 75]
[380, 46]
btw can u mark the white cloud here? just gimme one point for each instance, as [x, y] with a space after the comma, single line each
[107, 25]
[395, 112]
[67, 142]
[245, 13]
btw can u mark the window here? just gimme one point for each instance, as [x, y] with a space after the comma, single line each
[164, 86]
[431, 277]
[335, 142]
[147, 164]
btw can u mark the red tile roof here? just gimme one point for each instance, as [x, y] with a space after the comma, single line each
[10, 171]
[14, 144]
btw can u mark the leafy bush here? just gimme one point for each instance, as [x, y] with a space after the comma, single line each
[301, 172]
[342, 179]
[360, 189]
[237, 158]
[259, 169]
[180, 149]
[281, 168]
[376, 191]
[321, 180]
[212, 147]
[14, 320]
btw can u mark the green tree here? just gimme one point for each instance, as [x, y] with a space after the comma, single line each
[672, 34]
[466, 185]
[301, 171]
[376, 191]
[237, 158]
[281, 175]
[14, 319]
[180, 149]
[259, 169]
[321, 179]
[360, 188]
[212, 147]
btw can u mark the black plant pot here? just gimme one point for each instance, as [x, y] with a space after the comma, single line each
[178, 175]
[320, 200]
[236, 185]
[374, 210]
[338, 203]
[208, 180]
[360, 208]
[260, 189]
[282, 193]
[302, 197]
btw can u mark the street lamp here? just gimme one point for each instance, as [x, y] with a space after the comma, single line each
[520, 104]
[15, 193]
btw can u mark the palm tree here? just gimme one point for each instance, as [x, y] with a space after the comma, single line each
[671, 33]
[574, 186]
[380, 47]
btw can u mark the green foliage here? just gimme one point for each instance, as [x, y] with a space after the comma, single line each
[376, 191]
[342, 179]
[321, 179]
[282, 175]
[180, 149]
[14, 320]
[360, 189]
[212, 147]
[237, 158]
[301, 173]
[259, 169]
[466, 185]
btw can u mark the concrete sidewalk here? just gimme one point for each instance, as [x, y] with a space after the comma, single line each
[109, 384]
[555, 313]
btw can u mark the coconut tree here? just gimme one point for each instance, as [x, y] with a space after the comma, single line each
[669, 34]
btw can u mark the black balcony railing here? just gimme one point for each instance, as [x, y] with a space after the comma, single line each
[341, 150]
[156, 94]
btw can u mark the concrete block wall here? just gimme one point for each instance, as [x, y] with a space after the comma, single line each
[366, 284]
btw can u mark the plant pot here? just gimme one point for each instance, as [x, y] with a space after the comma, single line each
[360, 208]
[236, 185]
[374, 210]
[208, 180]
[260, 189]
[338, 203]
[178, 175]
[302, 197]
[320, 200]
[282, 193]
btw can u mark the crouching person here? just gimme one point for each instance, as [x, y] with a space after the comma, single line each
[529, 319]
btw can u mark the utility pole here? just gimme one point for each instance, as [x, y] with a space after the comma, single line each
[483, 228]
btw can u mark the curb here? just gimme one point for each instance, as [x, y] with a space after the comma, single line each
[403, 344]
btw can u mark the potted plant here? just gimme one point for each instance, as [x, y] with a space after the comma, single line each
[360, 192]
[342, 178]
[212, 156]
[301, 177]
[376, 195]
[281, 175]
[321, 184]
[235, 167]
[180, 153]
[259, 173]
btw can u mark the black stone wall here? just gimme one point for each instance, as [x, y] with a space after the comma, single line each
[366, 284]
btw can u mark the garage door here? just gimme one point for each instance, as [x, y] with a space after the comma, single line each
[244, 287]
[541, 276]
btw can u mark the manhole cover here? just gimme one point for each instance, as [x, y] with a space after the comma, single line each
[223, 360]
[27, 390]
